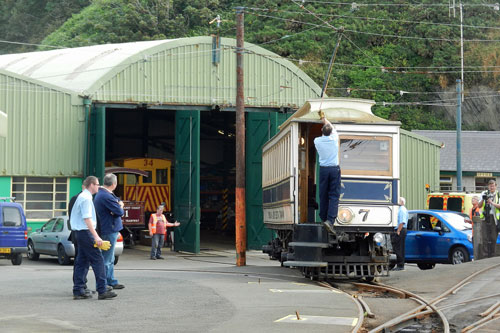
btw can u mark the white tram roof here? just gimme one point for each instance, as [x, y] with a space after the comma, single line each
[339, 110]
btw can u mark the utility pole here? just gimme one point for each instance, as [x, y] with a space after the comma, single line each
[459, 135]
[241, 228]
[462, 49]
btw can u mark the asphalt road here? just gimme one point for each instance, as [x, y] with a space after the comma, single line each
[184, 293]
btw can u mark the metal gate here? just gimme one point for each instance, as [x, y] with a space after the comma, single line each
[260, 127]
[187, 180]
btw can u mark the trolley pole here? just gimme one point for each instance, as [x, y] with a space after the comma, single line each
[241, 229]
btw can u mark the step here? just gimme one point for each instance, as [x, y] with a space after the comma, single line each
[305, 264]
[309, 244]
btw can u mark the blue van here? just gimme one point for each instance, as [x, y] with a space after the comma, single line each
[13, 231]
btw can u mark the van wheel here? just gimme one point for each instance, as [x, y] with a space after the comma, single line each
[116, 260]
[62, 257]
[32, 254]
[17, 259]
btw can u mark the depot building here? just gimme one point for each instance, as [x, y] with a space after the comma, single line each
[73, 112]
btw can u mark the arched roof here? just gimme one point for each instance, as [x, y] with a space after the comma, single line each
[175, 71]
[75, 69]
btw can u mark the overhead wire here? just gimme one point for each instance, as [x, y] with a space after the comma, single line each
[373, 18]
[360, 4]
[378, 34]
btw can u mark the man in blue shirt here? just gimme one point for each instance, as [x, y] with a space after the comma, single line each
[83, 224]
[399, 237]
[327, 146]
[109, 211]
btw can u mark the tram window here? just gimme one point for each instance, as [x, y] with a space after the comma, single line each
[148, 179]
[366, 155]
[161, 176]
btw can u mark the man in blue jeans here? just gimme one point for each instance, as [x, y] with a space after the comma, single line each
[83, 224]
[327, 146]
[110, 211]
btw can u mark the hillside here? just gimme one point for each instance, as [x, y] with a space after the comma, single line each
[405, 57]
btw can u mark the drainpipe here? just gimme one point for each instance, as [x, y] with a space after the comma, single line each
[86, 105]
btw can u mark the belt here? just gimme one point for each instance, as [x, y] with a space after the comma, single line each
[329, 166]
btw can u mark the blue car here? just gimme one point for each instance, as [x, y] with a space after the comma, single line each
[437, 236]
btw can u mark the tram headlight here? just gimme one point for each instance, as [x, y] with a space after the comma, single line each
[378, 238]
[345, 215]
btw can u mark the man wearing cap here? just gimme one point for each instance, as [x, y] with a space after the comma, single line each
[157, 228]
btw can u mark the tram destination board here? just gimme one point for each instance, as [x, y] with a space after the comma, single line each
[133, 213]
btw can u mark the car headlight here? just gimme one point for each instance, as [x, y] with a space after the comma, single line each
[469, 237]
[345, 215]
[378, 238]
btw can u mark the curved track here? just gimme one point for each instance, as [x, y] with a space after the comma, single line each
[436, 314]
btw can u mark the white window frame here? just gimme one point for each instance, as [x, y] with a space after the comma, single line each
[41, 214]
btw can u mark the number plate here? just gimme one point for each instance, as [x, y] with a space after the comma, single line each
[4, 250]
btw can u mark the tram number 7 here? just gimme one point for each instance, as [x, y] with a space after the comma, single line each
[365, 211]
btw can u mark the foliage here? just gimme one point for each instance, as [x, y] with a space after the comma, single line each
[375, 59]
[29, 21]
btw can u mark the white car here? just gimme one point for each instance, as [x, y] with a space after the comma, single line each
[53, 239]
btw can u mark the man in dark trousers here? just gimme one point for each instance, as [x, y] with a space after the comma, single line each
[109, 209]
[83, 224]
[399, 237]
[327, 146]
[72, 236]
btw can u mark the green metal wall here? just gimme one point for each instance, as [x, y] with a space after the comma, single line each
[182, 72]
[419, 157]
[45, 130]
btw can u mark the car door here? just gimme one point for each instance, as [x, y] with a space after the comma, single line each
[423, 238]
[54, 235]
[410, 242]
[440, 241]
[41, 240]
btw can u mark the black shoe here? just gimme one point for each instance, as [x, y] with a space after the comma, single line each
[153, 258]
[160, 257]
[107, 295]
[118, 286]
[329, 227]
[83, 296]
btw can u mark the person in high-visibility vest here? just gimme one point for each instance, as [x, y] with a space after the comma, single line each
[490, 202]
[157, 228]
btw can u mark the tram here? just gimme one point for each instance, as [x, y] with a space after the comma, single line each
[368, 208]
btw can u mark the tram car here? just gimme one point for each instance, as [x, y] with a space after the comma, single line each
[143, 184]
[368, 208]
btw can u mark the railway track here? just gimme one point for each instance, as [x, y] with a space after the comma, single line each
[471, 305]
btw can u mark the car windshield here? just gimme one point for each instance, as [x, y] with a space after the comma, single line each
[457, 221]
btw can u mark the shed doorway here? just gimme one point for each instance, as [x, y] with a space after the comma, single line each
[142, 132]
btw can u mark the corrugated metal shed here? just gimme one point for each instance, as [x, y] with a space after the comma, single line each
[43, 92]
[45, 129]
[176, 71]
[419, 157]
